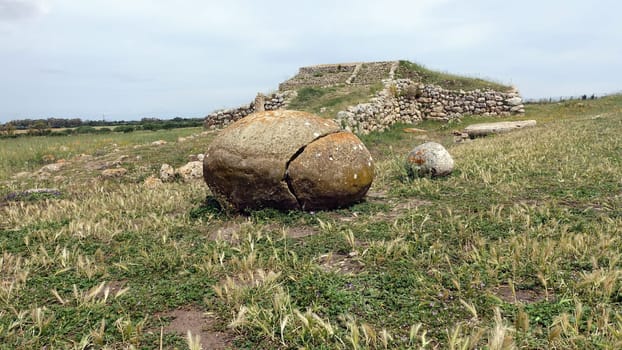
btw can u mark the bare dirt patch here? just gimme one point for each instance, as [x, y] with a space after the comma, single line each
[525, 296]
[198, 323]
[300, 231]
[398, 206]
[341, 263]
[231, 231]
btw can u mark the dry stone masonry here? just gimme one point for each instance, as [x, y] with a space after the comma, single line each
[403, 101]
[400, 100]
[275, 101]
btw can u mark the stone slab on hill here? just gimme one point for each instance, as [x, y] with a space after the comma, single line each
[483, 129]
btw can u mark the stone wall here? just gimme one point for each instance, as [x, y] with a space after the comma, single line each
[400, 101]
[403, 101]
[225, 117]
[320, 75]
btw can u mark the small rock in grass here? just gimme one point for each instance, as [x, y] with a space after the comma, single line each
[112, 173]
[152, 182]
[430, 159]
[192, 170]
[167, 173]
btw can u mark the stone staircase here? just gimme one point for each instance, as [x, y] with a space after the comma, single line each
[367, 73]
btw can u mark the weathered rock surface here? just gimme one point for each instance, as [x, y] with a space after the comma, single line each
[246, 166]
[22, 175]
[190, 171]
[152, 182]
[483, 129]
[54, 167]
[167, 173]
[430, 159]
[331, 172]
[116, 172]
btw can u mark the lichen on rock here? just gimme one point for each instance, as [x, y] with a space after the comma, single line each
[256, 162]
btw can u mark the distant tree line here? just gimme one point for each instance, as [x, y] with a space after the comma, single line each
[562, 99]
[62, 126]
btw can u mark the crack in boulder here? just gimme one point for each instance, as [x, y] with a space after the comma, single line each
[288, 179]
[282, 160]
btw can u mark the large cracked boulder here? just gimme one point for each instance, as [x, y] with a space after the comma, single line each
[287, 160]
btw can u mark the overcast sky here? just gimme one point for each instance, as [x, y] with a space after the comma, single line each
[128, 59]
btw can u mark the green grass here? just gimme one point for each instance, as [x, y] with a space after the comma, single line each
[29, 153]
[419, 73]
[518, 248]
[333, 99]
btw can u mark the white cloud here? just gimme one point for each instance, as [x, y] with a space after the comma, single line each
[11, 10]
[89, 50]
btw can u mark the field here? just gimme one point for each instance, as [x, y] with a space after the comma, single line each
[518, 248]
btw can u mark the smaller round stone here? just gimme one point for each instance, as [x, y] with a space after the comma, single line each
[430, 159]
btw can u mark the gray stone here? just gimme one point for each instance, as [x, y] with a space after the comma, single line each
[516, 109]
[112, 173]
[264, 159]
[430, 159]
[167, 173]
[514, 101]
[190, 171]
[483, 129]
[52, 168]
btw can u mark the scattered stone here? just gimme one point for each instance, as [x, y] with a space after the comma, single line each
[196, 157]
[514, 101]
[181, 139]
[152, 182]
[22, 175]
[32, 193]
[116, 172]
[159, 143]
[460, 136]
[257, 161]
[48, 158]
[430, 159]
[98, 165]
[483, 129]
[413, 130]
[121, 159]
[43, 175]
[192, 170]
[167, 173]
[52, 168]
[82, 157]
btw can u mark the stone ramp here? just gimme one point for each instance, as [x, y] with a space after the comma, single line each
[360, 73]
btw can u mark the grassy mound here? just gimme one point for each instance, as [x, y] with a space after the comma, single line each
[519, 247]
[420, 74]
